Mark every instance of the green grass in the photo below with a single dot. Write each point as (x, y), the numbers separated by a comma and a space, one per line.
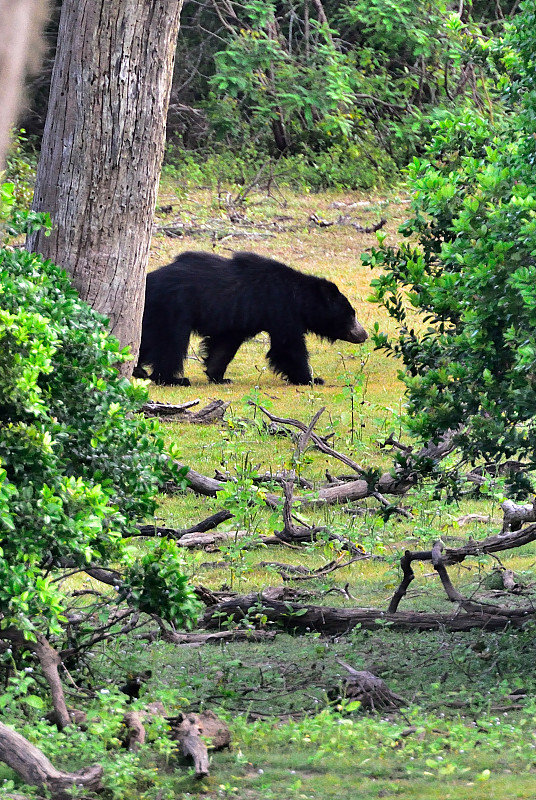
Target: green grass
(473, 739)
(469, 735)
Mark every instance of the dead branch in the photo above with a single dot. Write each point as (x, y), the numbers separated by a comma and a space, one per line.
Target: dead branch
(345, 493)
(211, 541)
(369, 228)
(371, 691)
(394, 509)
(492, 544)
(36, 770)
(212, 413)
(12, 796)
(50, 661)
(129, 617)
(217, 232)
(396, 445)
(515, 515)
(218, 637)
(209, 523)
(134, 730)
(469, 605)
(179, 413)
(467, 519)
(191, 730)
(329, 495)
(201, 484)
(200, 527)
(289, 572)
(404, 480)
(155, 409)
(290, 532)
(267, 477)
(318, 441)
(134, 734)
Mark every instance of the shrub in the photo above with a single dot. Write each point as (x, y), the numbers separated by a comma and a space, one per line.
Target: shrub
(78, 465)
(469, 274)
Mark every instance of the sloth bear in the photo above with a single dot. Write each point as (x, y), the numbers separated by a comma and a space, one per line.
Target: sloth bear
(227, 301)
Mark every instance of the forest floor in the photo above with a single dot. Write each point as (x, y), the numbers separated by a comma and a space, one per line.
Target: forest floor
(466, 727)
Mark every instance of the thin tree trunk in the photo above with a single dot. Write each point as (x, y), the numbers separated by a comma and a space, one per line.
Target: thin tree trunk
(50, 661)
(102, 149)
(20, 24)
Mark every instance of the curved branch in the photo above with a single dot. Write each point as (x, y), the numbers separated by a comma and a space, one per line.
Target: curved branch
(34, 768)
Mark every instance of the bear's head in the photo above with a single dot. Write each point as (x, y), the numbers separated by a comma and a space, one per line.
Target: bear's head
(335, 318)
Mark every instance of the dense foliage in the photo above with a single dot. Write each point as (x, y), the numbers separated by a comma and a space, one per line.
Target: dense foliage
(78, 466)
(336, 94)
(462, 289)
(343, 92)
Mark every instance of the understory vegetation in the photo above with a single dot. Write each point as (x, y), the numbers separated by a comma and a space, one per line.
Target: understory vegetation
(466, 723)
(317, 94)
(343, 573)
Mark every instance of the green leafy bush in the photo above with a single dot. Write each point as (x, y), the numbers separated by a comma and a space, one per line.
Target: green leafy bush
(463, 289)
(20, 168)
(78, 465)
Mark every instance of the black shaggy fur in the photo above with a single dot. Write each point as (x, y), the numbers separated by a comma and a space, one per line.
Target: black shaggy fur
(227, 301)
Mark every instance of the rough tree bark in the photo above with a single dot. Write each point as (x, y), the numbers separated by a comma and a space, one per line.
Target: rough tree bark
(102, 149)
(20, 24)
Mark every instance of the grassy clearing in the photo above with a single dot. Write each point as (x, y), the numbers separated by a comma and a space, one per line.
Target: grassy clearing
(468, 730)
(472, 734)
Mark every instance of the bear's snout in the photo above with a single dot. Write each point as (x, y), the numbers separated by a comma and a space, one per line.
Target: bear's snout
(357, 334)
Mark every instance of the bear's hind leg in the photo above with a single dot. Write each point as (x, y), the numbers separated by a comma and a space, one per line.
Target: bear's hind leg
(218, 355)
(168, 360)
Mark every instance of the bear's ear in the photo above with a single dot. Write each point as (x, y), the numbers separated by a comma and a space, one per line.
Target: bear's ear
(331, 296)
(332, 290)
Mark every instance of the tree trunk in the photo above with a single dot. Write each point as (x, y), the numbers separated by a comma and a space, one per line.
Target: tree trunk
(102, 150)
(20, 23)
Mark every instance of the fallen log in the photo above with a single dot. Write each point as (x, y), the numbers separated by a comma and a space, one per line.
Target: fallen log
(329, 495)
(210, 541)
(35, 769)
(179, 413)
(155, 409)
(330, 621)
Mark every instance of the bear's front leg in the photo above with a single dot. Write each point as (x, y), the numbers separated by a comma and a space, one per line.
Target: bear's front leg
(289, 357)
